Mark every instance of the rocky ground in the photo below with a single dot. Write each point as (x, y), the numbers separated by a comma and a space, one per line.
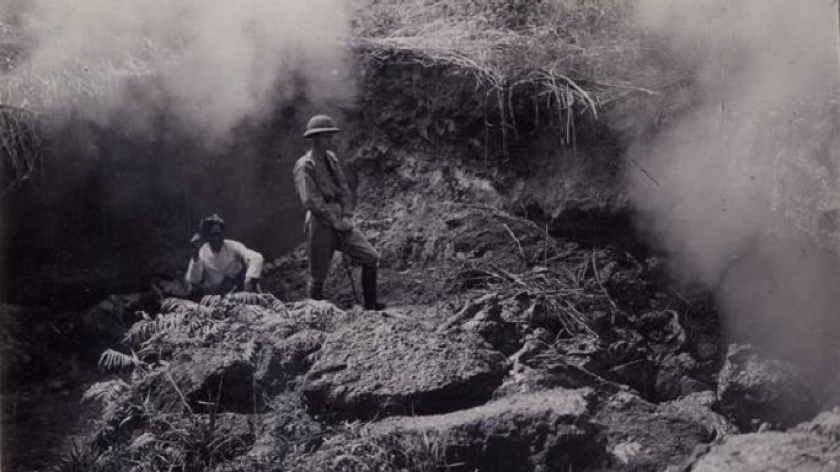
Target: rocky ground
(503, 349)
(529, 327)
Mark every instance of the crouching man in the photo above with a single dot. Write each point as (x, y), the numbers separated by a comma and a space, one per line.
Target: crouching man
(324, 193)
(219, 266)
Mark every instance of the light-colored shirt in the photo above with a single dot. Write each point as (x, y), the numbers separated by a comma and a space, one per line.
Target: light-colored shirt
(211, 268)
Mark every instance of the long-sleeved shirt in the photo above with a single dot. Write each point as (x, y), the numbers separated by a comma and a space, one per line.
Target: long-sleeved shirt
(322, 188)
(211, 268)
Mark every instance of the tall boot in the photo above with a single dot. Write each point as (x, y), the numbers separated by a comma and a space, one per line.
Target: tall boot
(369, 288)
(316, 290)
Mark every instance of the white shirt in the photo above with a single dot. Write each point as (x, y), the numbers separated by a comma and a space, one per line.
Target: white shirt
(211, 268)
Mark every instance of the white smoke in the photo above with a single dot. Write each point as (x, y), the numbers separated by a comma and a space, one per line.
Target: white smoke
(212, 63)
(745, 175)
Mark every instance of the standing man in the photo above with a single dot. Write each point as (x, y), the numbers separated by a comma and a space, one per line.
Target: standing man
(219, 266)
(324, 192)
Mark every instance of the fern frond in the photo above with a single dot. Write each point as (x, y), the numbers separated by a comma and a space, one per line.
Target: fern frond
(112, 359)
(249, 350)
(141, 441)
(279, 307)
(107, 391)
(141, 331)
(209, 301)
(173, 305)
(264, 300)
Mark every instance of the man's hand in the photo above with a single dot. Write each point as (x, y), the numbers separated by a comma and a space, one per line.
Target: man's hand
(197, 241)
(343, 225)
(253, 285)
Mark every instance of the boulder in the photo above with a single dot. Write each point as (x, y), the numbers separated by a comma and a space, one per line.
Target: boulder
(674, 374)
(585, 351)
(759, 452)
(492, 319)
(501, 334)
(624, 361)
(534, 343)
(203, 379)
(662, 330)
(641, 436)
(707, 350)
(753, 390)
(379, 365)
(282, 360)
(826, 424)
(699, 407)
(547, 430)
(523, 379)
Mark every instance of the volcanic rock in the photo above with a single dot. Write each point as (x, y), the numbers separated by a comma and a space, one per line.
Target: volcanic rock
(826, 424)
(672, 373)
(754, 390)
(379, 365)
(759, 452)
(641, 436)
(548, 430)
(284, 359)
(203, 379)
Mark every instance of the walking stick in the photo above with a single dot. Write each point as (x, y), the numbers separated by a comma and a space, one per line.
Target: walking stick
(347, 267)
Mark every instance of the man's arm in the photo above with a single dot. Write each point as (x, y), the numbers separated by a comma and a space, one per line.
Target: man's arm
(195, 272)
(310, 196)
(346, 199)
(252, 259)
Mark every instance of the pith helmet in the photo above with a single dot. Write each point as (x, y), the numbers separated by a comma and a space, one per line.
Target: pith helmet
(320, 124)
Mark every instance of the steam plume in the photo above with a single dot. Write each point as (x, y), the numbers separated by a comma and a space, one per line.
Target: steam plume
(749, 173)
(212, 63)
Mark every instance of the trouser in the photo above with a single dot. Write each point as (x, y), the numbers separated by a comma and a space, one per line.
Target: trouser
(323, 240)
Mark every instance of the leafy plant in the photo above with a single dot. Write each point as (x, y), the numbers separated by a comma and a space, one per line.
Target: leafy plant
(131, 430)
(106, 392)
(80, 458)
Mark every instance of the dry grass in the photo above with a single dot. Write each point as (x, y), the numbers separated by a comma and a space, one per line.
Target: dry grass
(571, 57)
(356, 448)
(559, 284)
(73, 83)
(580, 52)
(556, 43)
(21, 148)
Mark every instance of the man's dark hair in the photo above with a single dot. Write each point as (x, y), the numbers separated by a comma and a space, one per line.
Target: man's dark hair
(208, 223)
